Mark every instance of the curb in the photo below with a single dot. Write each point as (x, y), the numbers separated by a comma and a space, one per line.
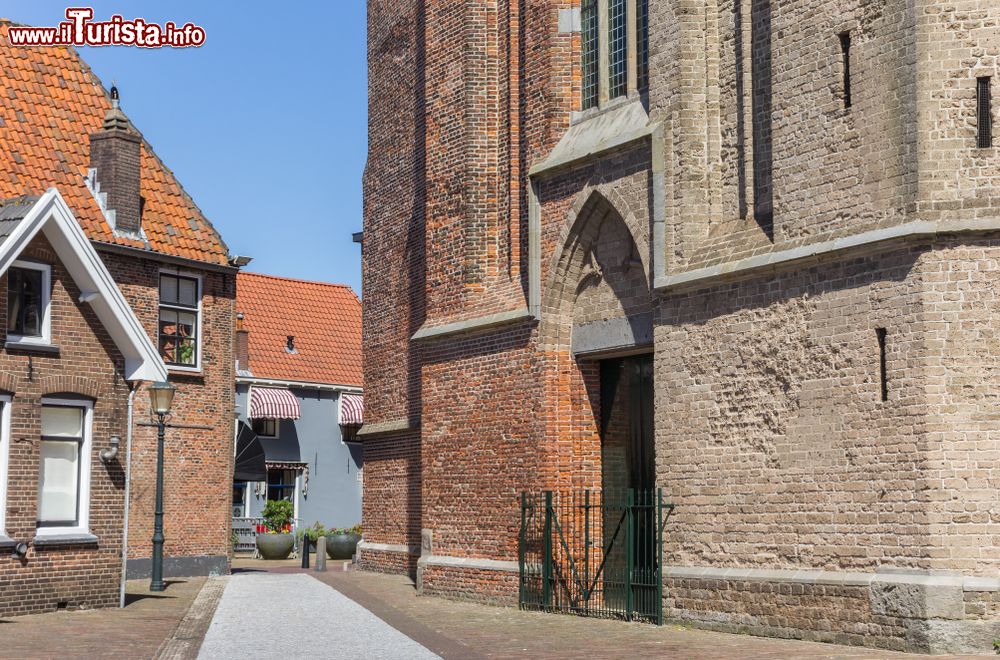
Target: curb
(189, 633)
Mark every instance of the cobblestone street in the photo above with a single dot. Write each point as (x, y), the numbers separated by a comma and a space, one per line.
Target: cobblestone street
(315, 620)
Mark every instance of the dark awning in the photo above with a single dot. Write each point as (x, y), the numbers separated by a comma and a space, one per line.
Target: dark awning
(251, 464)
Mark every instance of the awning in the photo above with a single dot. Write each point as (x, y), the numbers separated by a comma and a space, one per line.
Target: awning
(352, 408)
(272, 403)
(250, 464)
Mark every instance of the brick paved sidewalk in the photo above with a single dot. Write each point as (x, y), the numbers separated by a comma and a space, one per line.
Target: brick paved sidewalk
(137, 631)
(466, 630)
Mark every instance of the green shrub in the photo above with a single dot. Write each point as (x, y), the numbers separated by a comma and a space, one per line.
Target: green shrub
(278, 516)
(314, 531)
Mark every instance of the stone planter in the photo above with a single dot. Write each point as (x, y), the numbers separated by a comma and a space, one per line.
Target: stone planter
(275, 546)
(341, 546)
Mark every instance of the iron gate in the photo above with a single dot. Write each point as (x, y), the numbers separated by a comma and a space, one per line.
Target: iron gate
(593, 553)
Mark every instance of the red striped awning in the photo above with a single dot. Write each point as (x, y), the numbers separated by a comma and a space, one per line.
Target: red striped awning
(272, 403)
(352, 408)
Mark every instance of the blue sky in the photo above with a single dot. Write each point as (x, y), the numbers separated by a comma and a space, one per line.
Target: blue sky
(266, 131)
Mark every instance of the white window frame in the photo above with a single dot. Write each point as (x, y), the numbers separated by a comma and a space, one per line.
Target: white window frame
(83, 524)
(5, 411)
(277, 428)
(196, 367)
(46, 295)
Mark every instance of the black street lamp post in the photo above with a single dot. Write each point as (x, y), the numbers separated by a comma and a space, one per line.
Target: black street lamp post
(161, 395)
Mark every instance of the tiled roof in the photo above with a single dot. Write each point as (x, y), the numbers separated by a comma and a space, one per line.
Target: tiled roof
(51, 102)
(324, 319)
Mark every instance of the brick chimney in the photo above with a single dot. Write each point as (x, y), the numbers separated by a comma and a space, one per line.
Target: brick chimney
(114, 155)
(242, 344)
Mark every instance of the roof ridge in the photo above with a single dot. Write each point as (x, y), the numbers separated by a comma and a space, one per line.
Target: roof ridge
(296, 279)
(96, 80)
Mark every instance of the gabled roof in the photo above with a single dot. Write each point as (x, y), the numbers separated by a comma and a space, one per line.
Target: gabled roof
(324, 319)
(49, 214)
(51, 103)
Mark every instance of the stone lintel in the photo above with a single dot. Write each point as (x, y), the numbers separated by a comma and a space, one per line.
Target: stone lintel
(470, 325)
(617, 334)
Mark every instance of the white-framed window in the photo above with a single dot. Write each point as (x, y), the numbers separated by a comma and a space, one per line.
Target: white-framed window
(5, 406)
(29, 313)
(614, 49)
(179, 330)
(266, 428)
(64, 467)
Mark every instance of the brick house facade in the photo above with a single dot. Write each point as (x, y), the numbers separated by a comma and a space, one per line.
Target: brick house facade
(790, 216)
(60, 129)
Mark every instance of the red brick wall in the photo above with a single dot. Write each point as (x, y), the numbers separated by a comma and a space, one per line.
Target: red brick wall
(81, 575)
(390, 512)
(198, 456)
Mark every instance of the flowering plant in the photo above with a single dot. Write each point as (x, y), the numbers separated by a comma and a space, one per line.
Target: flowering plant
(350, 531)
(278, 516)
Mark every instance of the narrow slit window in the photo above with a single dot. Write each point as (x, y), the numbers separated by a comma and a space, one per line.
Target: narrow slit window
(642, 45)
(617, 48)
(589, 73)
(880, 334)
(845, 53)
(984, 114)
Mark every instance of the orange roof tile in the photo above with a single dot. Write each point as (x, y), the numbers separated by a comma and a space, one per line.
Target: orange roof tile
(52, 102)
(325, 320)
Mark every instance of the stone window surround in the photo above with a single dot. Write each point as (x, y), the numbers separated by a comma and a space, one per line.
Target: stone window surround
(604, 99)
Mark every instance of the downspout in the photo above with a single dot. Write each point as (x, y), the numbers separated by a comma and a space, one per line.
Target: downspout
(128, 485)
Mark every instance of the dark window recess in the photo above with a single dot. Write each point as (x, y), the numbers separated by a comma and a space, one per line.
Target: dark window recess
(267, 428)
(281, 485)
(845, 50)
(588, 19)
(642, 44)
(880, 334)
(984, 114)
(617, 48)
(760, 90)
(24, 302)
(179, 320)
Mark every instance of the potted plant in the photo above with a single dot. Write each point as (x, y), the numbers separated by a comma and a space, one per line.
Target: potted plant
(313, 532)
(276, 540)
(342, 543)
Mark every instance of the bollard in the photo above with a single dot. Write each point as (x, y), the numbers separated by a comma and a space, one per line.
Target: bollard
(321, 553)
(305, 551)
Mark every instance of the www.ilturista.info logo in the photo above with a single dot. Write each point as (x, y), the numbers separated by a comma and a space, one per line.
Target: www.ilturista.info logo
(80, 30)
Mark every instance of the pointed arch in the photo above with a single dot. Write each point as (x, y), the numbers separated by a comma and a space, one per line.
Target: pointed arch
(593, 208)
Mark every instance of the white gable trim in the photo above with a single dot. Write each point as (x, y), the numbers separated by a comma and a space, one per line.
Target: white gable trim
(52, 216)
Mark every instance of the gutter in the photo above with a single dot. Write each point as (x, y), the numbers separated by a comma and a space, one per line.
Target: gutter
(128, 485)
(165, 258)
(327, 387)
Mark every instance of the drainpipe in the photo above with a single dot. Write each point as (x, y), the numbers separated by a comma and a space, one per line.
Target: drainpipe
(128, 486)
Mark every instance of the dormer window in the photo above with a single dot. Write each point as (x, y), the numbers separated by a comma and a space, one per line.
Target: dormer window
(615, 49)
(28, 296)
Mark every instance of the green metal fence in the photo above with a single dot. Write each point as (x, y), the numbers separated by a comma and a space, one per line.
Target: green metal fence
(593, 553)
